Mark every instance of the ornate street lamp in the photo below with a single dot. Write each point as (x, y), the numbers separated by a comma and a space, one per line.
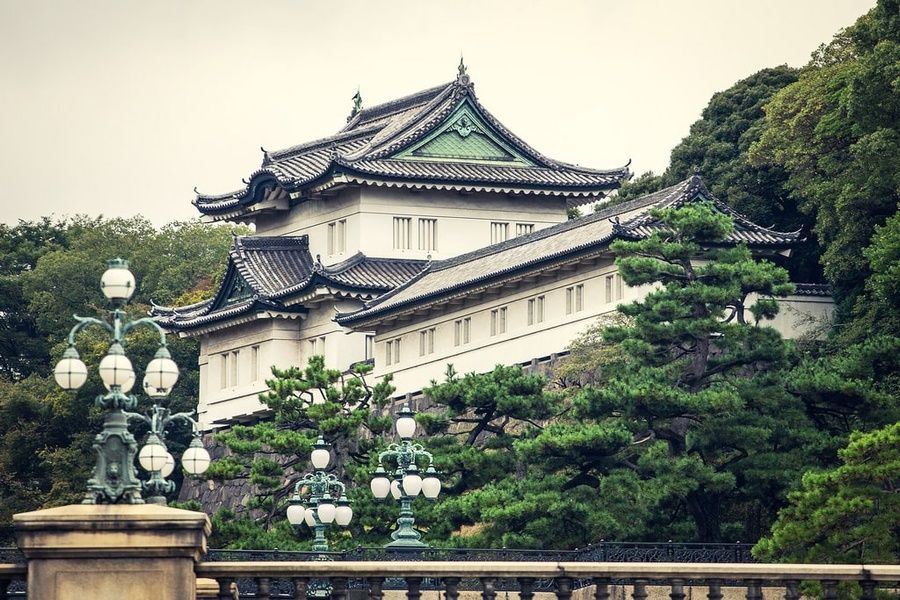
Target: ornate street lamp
(155, 457)
(327, 502)
(114, 480)
(403, 461)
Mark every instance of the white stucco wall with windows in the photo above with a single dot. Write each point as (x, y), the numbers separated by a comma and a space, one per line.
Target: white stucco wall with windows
(441, 224)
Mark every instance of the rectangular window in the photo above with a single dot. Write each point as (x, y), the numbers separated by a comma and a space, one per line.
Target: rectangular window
(313, 346)
(254, 363)
(402, 233)
(620, 287)
(524, 228)
(574, 299)
(462, 331)
(426, 342)
(388, 352)
(609, 288)
(223, 373)
(370, 347)
(397, 350)
(234, 367)
(428, 234)
(498, 321)
(499, 232)
(337, 237)
(536, 310)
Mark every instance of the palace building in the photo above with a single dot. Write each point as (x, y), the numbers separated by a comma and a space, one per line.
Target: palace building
(423, 233)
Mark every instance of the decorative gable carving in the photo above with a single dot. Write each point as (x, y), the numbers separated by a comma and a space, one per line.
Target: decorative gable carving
(240, 290)
(464, 136)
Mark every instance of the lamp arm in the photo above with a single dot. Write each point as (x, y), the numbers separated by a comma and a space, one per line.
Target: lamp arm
(149, 323)
(133, 416)
(84, 322)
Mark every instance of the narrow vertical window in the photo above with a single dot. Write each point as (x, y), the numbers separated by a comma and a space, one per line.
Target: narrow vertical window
(254, 363)
(397, 350)
(422, 350)
(467, 329)
(609, 288)
(579, 298)
(428, 234)
(426, 342)
(457, 333)
(502, 324)
(402, 233)
(331, 238)
(524, 228)
(370, 347)
(313, 346)
(388, 352)
(620, 288)
(223, 371)
(539, 310)
(342, 235)
(570, 293)
(499, 232)
(431, 341)
(322, 345)
(494, 316)
(234, 368)
(530, 310)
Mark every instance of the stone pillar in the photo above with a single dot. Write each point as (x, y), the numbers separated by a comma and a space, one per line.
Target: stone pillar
(112, 551)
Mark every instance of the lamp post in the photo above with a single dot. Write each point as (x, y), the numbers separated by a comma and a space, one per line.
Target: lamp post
(114, 480)
(328, 502)
(403, 461)
(155, 457)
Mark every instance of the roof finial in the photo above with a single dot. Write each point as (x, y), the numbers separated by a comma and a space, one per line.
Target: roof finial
(462, 77)
(357, 103)
(266, 157)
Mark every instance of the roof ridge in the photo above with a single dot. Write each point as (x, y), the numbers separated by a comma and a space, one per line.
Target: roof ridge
(393, 106)
(341, 136)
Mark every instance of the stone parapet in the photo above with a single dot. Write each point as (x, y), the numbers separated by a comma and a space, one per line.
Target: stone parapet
(110, 552)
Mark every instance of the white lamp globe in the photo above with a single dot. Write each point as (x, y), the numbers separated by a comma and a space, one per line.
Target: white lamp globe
(310, 517)
(412, 482)
(431, 485)
(406, 424)
(344, 514)
(296, 512)
(153, 455)
(169, 467)
(327, 510)
(115, 368)
(129, 383)
(395, 489)
(195, 459)
(161, 372)
(320, 456)
(70, 372)
(381, 485)
(117, 281)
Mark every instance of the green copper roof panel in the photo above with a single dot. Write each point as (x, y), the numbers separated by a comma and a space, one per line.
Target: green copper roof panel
(464, 137)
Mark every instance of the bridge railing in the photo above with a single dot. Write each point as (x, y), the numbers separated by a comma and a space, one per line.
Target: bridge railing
(289, 579)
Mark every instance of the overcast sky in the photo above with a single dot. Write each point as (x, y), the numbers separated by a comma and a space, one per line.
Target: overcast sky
(122, 107)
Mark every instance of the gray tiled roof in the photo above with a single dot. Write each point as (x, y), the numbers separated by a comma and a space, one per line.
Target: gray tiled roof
(279, 267)
(372, 136)
(558, 243)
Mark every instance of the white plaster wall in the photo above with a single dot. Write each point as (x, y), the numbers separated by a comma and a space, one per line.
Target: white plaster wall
(282, 343)
(464, 220)
(803, 315)
(520, 343)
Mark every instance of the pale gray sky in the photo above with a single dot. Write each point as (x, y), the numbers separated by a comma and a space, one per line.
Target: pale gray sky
(121, 107)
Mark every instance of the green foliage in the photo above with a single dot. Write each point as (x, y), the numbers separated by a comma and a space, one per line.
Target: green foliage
(847, 514)
(48, 272)
(835, 133)
(273, 454)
